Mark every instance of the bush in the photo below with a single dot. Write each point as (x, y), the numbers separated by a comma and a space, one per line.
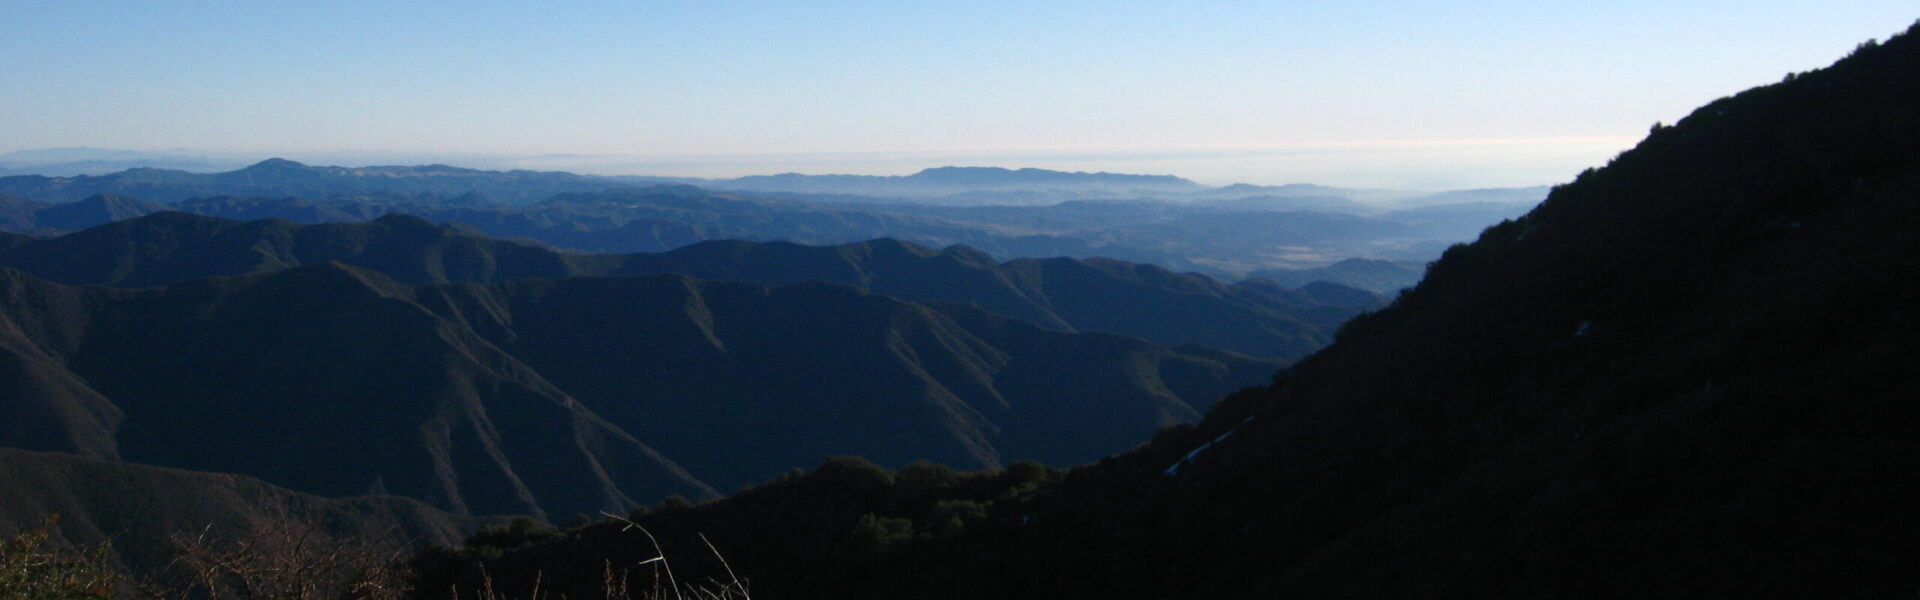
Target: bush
(29, 570)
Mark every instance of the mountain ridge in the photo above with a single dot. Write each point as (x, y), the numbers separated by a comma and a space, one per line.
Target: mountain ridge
(1062, 294)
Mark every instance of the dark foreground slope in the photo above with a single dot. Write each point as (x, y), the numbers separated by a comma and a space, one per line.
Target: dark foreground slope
(1685, 374)
(140, 508)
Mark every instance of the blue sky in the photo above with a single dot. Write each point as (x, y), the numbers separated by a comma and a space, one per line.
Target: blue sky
(1384, 94)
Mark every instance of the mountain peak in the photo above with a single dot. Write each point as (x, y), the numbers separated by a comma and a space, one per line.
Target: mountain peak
(275, 164)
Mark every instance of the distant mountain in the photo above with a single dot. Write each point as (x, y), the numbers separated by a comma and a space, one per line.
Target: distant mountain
(1458, 221)
(946, 181)
(1221, 242)
(1527, 196)
(1072, 295)
(1337, 204)
(94, 210)
(67, 162)
(1688, 373)
(16, 213)
(1303, 191)
(1224, 238)
(279, 177)
(174, 247)
(139, 508)
(1377, 276)
(26, 216)
(1059, 293)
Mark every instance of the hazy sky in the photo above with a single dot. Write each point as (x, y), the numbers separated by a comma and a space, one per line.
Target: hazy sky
(1388, 94)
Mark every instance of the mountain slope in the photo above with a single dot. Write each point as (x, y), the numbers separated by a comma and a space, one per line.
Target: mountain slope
(448, 393)
(21, 215)
(258, 375)
(139, 508)
(1058, 293)
(174, 247)
(1684, 374)
(1377, 276)
(785, 376)
(1061, 294)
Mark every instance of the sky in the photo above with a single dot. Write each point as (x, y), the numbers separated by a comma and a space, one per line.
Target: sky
(1415, 95)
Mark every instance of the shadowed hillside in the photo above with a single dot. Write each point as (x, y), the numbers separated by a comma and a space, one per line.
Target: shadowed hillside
(259, 375)
(140, 508)
(449, 393)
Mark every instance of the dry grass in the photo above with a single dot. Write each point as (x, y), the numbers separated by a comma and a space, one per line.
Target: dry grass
(31, 570)
(617, 583)
(280, 560)
(286, 560)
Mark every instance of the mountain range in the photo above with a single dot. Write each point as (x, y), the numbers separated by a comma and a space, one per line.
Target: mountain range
(446, 393)
(1061, 294)
(1226, 232)
(1687, 373)
(1222, 243)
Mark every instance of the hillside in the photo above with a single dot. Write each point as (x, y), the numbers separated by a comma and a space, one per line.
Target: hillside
(1377, 276)
(1684, 374)
(257, 375)
(783, 377)
(174, 247)
(139, 508)
(1063, 294)
(26, 216)
(584, 377)
(1221, 239)
(1059, 293)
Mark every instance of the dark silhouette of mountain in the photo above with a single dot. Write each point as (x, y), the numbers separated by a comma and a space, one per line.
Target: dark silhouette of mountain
(139, 508)
(261, 375)
(1073, 295)
(1377, 276)
(1686, 373)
